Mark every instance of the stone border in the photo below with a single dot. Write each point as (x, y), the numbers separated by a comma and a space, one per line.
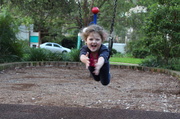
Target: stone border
(81, 65)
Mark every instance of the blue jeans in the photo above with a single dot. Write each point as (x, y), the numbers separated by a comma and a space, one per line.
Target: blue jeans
(104, 75)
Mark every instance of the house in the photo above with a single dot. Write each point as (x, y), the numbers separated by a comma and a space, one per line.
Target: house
(26, 33)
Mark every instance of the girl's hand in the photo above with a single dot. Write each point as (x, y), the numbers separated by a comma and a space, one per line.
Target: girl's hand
(85, 59)
(97, 69)
(98, 65)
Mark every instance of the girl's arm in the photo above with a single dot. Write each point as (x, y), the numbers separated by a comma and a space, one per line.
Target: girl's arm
(84, 56)
(103, 58)
(98, 65)
(104, 52)
(85, 59)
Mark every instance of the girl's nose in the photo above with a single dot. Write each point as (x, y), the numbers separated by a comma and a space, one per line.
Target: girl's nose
(94, 41)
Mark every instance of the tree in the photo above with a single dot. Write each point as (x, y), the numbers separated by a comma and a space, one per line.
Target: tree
(48, 15)
(161, 34)
(56, 17)
(162, 29)
(10, 49)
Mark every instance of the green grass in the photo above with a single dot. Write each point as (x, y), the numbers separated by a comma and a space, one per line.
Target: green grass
(126, 60)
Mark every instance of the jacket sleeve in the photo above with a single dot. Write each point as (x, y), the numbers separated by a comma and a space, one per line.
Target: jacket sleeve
(104, 52)
(84, 50)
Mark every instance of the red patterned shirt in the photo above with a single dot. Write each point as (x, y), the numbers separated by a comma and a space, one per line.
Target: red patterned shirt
(93, 60)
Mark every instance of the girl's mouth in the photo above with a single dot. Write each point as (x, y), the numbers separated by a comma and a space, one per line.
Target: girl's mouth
(93, 46)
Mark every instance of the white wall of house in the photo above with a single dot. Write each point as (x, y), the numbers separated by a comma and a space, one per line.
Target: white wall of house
(24, 31)
(119, 47)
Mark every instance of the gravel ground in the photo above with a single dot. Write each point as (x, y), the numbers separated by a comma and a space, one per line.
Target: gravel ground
(73, 87)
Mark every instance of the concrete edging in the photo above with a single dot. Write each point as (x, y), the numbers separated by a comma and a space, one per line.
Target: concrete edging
(74, 64)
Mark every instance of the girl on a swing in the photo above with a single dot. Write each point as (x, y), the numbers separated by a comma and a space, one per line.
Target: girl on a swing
(94, 54)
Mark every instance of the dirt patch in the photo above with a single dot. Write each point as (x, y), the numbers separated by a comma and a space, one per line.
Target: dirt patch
(20, 86)
(71, 86)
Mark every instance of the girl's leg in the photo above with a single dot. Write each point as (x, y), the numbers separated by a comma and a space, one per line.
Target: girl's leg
(96, 77)
(104, 74)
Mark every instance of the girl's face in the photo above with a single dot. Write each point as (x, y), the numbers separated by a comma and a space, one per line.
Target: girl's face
(94, 42)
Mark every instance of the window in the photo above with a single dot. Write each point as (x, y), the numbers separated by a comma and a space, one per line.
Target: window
(48, 44)
(34, 46)
(55, 45)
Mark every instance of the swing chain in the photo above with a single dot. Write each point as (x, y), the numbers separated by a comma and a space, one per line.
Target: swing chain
(111, 30)
(110, 45)
(80, 15)
(114, 15)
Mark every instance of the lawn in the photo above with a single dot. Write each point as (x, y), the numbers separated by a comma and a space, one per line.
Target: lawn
(126, 60)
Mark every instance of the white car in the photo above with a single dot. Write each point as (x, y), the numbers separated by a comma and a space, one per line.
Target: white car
(54, 47)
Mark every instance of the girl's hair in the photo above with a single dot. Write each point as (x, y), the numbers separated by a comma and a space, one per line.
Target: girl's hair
(94, 28)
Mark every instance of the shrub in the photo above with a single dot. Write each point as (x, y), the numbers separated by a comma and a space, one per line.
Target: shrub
(173, 64)
(138, 48)
(69, 42)
(9, 58)
(54, 56)
(72, 56)
(36, 54)
(151, 61)
(113, 51)
(140, 53)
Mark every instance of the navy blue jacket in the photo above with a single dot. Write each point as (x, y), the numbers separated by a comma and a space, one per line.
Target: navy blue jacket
(103, 52)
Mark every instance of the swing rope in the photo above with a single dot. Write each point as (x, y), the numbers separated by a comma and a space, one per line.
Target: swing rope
(112, 28)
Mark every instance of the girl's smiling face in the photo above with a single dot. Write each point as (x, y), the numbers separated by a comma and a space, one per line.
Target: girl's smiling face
(94, 42)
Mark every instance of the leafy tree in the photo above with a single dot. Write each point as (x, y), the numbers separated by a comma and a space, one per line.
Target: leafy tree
(49, 16)
(162, 29)
(55, 18)
(162, 37)
(9, 47)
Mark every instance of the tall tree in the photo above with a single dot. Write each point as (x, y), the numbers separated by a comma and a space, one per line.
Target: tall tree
(48, 15)
(161, 34)
(56, 17)
(162, 29)
(10, 49)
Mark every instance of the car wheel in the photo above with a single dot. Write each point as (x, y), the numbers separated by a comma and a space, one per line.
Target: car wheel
(64, 52)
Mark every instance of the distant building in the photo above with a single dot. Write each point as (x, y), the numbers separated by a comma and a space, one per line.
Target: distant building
(119, 47)
(26, 33)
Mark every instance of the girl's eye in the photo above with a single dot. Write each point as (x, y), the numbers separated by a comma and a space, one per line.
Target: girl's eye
(97, 39)
(90, 39)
